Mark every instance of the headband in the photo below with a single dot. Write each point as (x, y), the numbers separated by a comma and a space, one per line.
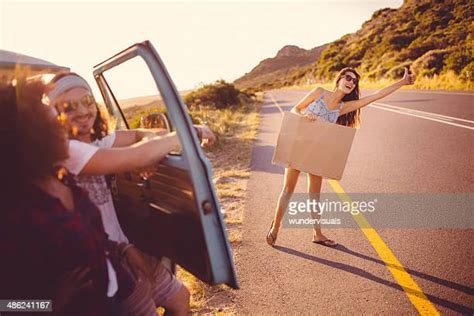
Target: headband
(66, 83)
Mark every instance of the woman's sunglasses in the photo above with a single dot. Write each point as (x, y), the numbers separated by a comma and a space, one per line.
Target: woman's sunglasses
(87, 102)
(350, 78)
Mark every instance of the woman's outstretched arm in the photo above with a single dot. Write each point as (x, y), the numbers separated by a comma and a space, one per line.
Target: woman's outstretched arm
(350, 106)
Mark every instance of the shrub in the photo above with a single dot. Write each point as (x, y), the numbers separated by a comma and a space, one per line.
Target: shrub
(220, 95)
(459, 59)
(420, 46)
(467, 74)
(397, 71)
(401, 40)
(433, 61)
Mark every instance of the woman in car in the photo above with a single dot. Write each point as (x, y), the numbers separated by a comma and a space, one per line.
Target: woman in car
(94, 151)
(52, 241)
(341, 106)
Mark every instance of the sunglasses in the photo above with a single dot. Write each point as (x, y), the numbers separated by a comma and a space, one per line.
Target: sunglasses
(350, 78)
(87, 101)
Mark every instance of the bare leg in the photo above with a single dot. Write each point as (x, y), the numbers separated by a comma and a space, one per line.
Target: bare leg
(289, 184)
(179, 304)
(314, 192)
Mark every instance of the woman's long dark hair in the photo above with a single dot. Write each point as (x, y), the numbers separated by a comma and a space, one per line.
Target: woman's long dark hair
(351, 119)
(100, 129)
(33, 141)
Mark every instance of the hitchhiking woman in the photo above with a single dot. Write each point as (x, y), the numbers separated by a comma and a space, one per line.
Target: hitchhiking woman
(341, 106)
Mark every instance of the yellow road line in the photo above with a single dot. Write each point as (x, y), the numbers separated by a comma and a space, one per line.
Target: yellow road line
(411, 288)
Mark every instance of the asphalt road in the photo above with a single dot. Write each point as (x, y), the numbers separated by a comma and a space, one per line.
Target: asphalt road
(410, 142)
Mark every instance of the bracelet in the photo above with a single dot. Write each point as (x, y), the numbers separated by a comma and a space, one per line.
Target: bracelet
(125, 248)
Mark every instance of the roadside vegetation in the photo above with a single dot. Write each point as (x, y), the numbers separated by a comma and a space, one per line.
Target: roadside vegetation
(234, 117)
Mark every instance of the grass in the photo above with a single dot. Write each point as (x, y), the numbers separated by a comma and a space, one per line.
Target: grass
(446, 81)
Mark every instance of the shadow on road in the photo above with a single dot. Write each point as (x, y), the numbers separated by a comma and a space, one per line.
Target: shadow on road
(450, 284)
(364, 274)
(270, 108)
(262, 160)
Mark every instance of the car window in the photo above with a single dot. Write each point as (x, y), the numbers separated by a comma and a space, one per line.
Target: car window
(141, 104)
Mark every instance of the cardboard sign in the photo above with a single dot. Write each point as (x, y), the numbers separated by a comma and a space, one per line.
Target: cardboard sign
(317, 147)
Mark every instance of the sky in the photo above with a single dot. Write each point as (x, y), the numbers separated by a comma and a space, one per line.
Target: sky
(199, 41)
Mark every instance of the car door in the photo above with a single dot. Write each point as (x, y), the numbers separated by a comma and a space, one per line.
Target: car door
(174, 211)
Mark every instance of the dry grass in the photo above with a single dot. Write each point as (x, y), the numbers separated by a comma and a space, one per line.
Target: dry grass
(236, 130)
(445, 81)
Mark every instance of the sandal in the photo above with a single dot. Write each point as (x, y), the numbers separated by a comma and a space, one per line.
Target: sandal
(327, 242)
(271, 240)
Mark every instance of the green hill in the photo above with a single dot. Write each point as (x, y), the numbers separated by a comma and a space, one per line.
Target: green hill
(434, 37)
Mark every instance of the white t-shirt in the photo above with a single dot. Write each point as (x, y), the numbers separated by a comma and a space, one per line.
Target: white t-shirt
(79, 155)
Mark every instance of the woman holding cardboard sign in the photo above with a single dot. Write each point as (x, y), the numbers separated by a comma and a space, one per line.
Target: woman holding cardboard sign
(341, 106)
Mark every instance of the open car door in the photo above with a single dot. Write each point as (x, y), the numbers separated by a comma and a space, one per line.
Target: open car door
(173, 213)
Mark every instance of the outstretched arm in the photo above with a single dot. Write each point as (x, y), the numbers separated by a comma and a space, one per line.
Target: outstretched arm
(139, 155)
(128, 137)
(350, 106)
(124, 138)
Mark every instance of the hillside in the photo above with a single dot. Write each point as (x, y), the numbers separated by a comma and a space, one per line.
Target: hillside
(287, 59)
(433, 37)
